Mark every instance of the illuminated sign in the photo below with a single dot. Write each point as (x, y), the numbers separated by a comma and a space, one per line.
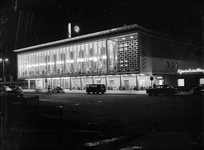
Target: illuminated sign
(190, 71)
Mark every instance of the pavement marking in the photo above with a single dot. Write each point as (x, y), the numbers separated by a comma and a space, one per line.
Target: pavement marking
(131, 148)
(44, 99)
(106, 141)
(76, 104)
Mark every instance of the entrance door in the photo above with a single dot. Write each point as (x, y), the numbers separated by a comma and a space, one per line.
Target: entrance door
(126, 84)
(98, 81)
(56, 82)
(76, 84)
(39, 84)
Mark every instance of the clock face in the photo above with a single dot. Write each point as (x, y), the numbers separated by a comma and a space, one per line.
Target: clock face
(76, 29)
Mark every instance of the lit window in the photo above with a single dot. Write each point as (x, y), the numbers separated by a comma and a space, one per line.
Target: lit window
(142, 83)
(201, 80)
(98, 81)
(180, 82)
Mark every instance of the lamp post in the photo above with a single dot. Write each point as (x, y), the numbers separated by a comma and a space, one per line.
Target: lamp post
(3, 60)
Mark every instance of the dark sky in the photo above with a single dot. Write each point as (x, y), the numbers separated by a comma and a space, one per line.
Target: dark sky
(31, 22)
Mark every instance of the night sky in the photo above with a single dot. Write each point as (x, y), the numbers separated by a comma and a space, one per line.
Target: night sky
(30, 22)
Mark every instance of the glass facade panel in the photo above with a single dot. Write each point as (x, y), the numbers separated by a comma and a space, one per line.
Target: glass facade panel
(104, 57)
(91, 58)
(75, 59)
(78, 57)
(63, 61)
(112, 50)
(87, 58)
(82, 54)
(94, 57)
(68, 60)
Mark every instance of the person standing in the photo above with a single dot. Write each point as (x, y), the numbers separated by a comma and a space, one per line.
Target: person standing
(49, 89)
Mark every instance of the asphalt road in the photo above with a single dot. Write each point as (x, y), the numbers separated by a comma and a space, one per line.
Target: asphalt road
(115, 121)
(132, 114)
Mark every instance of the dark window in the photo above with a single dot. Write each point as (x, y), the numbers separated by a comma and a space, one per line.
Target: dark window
(167, 64)
(172, 64)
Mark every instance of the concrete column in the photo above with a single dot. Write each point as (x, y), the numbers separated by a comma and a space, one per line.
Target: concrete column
(35, 83)
(121, 82)
(81, 82)
(29, 84)
(137, 80)
(93, 79)
(51, 83)
(70, 83)
(43, 83)
(106, 82)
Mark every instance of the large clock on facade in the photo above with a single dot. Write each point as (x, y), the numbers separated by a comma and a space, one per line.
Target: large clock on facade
(76, 29)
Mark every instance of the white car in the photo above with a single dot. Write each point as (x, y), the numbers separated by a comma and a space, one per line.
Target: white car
(5, 89)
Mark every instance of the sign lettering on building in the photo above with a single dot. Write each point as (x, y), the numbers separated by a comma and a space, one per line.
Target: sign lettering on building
(190, 71)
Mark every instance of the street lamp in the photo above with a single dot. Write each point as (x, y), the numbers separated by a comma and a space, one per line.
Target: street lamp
(2, 102)
(3, 60)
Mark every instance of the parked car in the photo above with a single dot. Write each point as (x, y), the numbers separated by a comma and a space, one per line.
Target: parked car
(96, 88)
(198, 90)
(162, 89)
(18, 88)
(5, 89)
(58, 89)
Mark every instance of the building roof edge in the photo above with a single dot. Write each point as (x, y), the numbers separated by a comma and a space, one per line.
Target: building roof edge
(97, 34)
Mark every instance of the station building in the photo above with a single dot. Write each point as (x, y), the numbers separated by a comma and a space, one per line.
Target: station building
(120, 58)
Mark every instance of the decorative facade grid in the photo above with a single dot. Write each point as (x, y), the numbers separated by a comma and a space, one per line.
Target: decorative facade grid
(128, 55)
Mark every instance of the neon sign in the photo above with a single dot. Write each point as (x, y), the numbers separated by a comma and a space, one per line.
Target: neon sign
(189, 71)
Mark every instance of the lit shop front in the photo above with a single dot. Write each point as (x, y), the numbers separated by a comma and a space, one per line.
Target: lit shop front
(190, 77)
(113, 61)
(184, 79)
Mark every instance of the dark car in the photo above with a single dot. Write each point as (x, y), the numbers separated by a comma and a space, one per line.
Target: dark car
(58, 89)
(96, 88)
(198, 90)
(162, 89)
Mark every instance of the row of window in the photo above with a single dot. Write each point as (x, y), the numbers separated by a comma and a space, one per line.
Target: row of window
(172, 64)
(85, 58)
(181, 82)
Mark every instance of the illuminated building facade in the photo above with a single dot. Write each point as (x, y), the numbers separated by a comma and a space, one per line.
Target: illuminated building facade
(120, 58)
